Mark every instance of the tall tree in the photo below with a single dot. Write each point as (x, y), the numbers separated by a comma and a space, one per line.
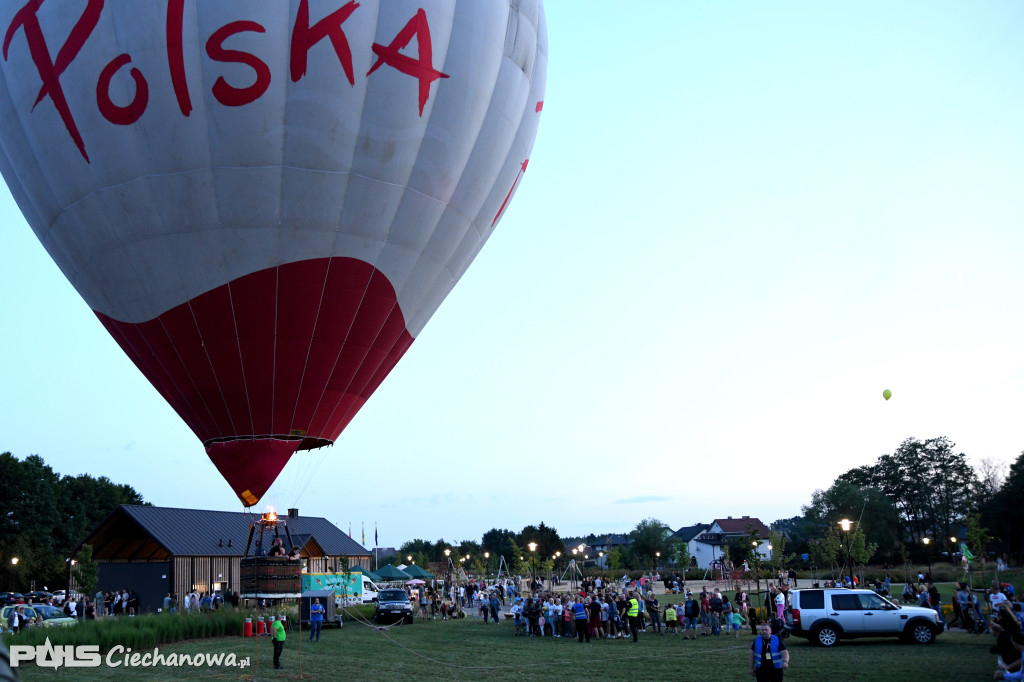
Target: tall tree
(47, 516)
(649, 538)
(1004, 513)
(931, 485)
(870, 506)
(546, 538)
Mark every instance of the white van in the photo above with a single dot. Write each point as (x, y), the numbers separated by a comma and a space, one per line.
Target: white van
(369, 590)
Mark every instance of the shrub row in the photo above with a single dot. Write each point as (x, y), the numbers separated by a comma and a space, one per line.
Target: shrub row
(142, 632)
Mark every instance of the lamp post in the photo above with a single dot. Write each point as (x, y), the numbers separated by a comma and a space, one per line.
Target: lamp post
(487, 564)
(952, 550)
(448, 570)
(14, 577)
(928, 555)
(533, 566)
(846, 524)
(757, 571)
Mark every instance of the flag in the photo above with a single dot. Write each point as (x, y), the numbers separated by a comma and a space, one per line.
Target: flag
(376, 542)
(364, 534)
(350, 529)
(967, 552)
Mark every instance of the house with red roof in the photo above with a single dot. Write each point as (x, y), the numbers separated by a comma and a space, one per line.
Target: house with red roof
(707, 546)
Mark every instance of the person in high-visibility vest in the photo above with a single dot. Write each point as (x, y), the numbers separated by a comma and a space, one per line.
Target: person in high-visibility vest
(277, 629)
(632, 613)
(769, 657)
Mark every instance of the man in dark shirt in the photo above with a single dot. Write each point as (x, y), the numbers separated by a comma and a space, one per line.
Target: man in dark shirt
(769, 657)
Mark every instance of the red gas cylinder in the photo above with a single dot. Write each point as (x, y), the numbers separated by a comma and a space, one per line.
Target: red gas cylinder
(247, 628)
(261, 627)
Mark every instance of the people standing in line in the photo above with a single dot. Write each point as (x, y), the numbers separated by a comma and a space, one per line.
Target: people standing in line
(653, 609)
(769, 657)
(671, 618)
(691, 611)
(632, 613)
(316, 618)
(494, 606)
(277, 628)
(579, 610)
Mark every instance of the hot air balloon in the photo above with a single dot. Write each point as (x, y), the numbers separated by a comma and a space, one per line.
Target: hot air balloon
(886, 394)
(264, 202)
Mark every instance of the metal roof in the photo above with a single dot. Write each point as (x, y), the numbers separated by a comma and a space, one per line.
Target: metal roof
(199, 532)
(687, 533)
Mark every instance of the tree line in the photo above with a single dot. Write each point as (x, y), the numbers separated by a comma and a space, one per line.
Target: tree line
(45, 516)
(923, 490)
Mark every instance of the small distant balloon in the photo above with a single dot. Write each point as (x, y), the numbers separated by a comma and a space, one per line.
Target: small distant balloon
(886, 394)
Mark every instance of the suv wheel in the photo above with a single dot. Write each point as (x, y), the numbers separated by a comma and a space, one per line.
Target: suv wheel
(826, 636)
(921, 633)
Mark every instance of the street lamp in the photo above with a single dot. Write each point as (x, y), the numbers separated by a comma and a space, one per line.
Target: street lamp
(928, 555)
(657, 560)
(756, 560)
(533, 566)
(846, 524)
(952, 550)
(14, 565)
(448, 569)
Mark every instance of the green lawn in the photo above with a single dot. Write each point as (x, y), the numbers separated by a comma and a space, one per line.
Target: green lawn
(471, 650)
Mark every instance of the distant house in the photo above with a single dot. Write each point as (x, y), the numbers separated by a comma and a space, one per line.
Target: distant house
(156, 550)
(596, 548)
(706, 546)
(688, 534)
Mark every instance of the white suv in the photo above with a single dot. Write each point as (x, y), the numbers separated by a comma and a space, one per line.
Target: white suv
(826, 615)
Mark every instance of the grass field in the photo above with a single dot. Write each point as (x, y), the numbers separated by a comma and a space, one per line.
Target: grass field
(469, 649)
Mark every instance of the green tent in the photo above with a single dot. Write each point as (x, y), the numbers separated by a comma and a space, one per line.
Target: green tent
(367, 572)
(417, 572)
(391, 573)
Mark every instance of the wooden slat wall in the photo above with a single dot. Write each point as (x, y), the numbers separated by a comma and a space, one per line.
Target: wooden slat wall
(201, 572)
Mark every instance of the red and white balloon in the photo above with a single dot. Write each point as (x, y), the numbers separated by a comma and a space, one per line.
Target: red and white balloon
(265, 201)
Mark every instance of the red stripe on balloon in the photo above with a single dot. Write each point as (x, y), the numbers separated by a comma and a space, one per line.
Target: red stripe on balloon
(277, 360)
(522, 169)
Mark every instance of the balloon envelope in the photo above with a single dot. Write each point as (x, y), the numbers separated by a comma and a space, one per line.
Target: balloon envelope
(886, 394)
(264, 202)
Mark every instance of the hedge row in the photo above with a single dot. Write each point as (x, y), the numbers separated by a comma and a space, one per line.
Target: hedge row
(141, 632)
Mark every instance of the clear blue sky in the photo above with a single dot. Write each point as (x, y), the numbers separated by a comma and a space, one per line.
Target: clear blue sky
(740, 224)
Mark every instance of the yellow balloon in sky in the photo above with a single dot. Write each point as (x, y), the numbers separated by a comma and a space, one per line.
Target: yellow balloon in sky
(886, 394)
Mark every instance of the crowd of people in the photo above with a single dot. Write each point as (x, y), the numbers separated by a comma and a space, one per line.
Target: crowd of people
(112, 603)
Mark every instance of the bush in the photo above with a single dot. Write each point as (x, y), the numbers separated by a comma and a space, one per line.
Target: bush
(142, 632)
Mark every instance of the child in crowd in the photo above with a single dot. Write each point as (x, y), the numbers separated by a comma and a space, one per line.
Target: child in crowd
(671, 618)
(737, 621)
(716, 624)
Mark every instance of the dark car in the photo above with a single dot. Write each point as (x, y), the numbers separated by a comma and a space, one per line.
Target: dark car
(11, 598)
(392, 606)
(38, 597)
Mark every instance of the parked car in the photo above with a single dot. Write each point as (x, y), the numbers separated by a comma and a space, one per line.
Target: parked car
(58, 597)
(52, 616)
(825, 616)
(393, 605)
(38, 597)
(11, 598)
